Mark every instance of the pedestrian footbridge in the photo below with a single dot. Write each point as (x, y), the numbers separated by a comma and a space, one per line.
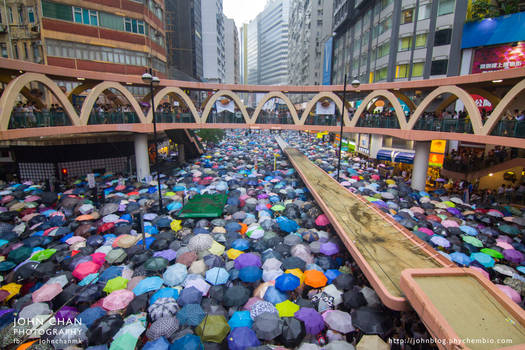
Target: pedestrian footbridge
(456, 304)
(414, 108)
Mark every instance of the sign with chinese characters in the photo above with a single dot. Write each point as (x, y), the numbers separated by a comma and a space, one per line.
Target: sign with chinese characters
(489, 59)
(482, 103)
(438, 146)
(436, 160)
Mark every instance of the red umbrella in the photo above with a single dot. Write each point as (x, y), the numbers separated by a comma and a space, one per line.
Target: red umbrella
(322, 220)
(85, 268)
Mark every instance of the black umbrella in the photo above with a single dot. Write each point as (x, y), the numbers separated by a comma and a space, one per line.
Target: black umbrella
(217, 293)
(353, 299)
(66, 294)
(371, 321)
(236, 296)
(138, 304)
(26, 271)
(103, 329)
(268, 326)
(140, 258)
(293, 332)
(89, 294)
(344, 281)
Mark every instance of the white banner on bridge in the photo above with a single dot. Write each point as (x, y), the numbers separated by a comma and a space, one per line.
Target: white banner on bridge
(329, 109)
(230, 106)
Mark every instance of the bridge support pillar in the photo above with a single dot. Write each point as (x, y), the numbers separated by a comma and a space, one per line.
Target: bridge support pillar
(141, 156)
(419, 172)
(180, 149)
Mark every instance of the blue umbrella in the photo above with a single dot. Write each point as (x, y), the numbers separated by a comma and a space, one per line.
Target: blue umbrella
(460, 258)
(147, 285)
(241, 244)
(217, 276)
(331, 274)
(164, 293)
(274, 296)
(287, 225)
(242, 338)
(469, 230)
(6, 317)
(521, 269)
(188, 342)
(175, 274)
(189, 295)
(109, 273)
(250, 274)
(482, 258)
(240, 319)
(440, 241)
(157, 344)
(287, 282)
(88, 279)
(90, 315)
(191, 315)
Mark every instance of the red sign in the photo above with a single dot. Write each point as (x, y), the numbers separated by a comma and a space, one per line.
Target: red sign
(482, 103)
(489, 59)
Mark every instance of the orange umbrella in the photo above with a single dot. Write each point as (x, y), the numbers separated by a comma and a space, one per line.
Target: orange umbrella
(315, 279)
(244, 228)
(26, 345)
(86, 217)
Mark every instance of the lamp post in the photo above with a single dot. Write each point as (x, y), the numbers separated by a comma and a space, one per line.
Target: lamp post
(152, 81)
(355, 85)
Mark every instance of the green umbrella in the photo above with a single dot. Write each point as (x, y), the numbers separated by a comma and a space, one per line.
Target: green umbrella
(124, 342)
(473, 240)
(492, 252)
(43, 255)
(116, 256)
(156, 264)
(377, 195)
(19, 254)
(450, 204)
(513, 210)
(278, 207)
(116, 283)
(213, 328)
(371, 199)
(511, 230)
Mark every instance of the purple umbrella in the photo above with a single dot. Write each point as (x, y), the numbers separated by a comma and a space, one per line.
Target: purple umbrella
(247, 259)
(313, 321)
(455, 212)
(241, 338)
(513, 255)
(329, 248)
(168, 254)
(67, 313)
(380, 204)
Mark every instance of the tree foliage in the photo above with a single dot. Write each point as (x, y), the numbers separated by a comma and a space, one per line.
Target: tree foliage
(210, 135)
(482, 9)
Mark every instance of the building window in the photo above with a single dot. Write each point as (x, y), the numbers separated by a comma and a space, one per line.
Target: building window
(85, 16)
(405, 44)
(30, 15)
(407, 16)
(421, 40)
(133, 25)
(445, 7)
(21, 15)
(402, 71)
(26, 53)
(36, 52)
(3, 50)
(380, 74)
(15, 49)
(417, 69)
(443, 37)
(383, 50)
(386, 3)
(439, 67)
(424, 11)
(385, 25)
(10, 13)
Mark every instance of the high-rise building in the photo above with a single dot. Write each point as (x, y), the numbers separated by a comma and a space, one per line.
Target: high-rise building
(243, 58)
(252, 53)
(118, 37)
(310, 25)
(231, 43)
(20, 34)
(213, 55)
(272, 37)
(393, 40)
(184, 39)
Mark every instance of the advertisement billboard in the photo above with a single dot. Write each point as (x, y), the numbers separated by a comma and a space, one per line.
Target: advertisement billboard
(327, 62)
(489, 59)
(438, 146)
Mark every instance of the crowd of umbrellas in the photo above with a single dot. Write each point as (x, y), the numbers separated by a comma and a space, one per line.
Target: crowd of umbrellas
(488, 238)
(270, 273)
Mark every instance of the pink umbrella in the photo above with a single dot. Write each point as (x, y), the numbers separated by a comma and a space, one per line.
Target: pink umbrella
(7, 199)
(449, 223)
(47, 292)
(118, 300)
(417, 210)
(375, 177)
(479, 269)
(511, 293)
(32, 199)
(322, 220)
(426, 230)
(504, 245)
(75, 239)
(503, 238)
(120, 188)
(28, 217)
(98, 258)
(85, 268)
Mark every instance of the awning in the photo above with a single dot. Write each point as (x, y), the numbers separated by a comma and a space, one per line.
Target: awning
(395, 156)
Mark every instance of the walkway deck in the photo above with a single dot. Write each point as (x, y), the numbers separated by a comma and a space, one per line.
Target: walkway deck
(380, 247)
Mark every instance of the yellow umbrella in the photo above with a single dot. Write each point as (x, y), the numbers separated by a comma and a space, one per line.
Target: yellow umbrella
(233, 253)
(287, 308)
(216, 248)
(297, 273)
(170, 194)
(176, 225)
(12, 288)
(390, 182)
(372, 342)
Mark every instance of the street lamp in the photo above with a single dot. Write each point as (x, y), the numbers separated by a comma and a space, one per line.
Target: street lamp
(152, 81)
(355, 84)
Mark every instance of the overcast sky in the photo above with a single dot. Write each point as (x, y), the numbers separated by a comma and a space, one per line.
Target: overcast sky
(242, 11)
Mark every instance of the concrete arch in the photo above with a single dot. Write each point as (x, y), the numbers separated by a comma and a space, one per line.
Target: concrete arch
(405, 99)
(400, 114)
(15, 86)
(470, 105)
(99, 89)
(229, 94)
(283, 97)
(319, 96)
(178, 92)
(497, 113)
